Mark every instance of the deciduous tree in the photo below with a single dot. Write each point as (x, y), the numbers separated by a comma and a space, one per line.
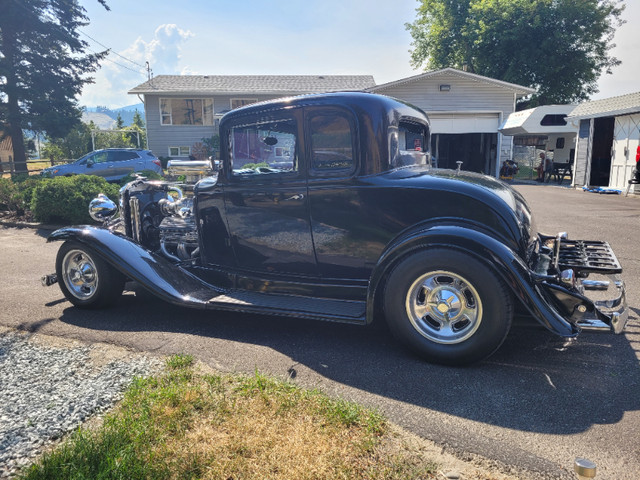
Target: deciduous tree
(559, 47)
(43, 67)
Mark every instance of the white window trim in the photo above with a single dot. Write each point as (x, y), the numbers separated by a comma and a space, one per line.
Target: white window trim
(179, 147)
(213, 114)
(251, 100)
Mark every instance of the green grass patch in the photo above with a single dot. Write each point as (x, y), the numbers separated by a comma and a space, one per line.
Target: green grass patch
(187, 424)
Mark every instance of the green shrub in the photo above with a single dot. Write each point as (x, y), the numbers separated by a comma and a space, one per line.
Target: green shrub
(255, 165)
(8, 195)
(16, 193)
(149, 174)
(65, 200)
(26, 187)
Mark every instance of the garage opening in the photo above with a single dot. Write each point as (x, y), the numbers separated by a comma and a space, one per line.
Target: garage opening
(477, 151)
(603, 130)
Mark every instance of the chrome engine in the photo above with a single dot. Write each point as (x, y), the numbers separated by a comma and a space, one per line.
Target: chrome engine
(178, 234)
(154, 214)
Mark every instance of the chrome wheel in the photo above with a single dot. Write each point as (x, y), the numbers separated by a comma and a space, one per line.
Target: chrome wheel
(444, 307)
(80, 274)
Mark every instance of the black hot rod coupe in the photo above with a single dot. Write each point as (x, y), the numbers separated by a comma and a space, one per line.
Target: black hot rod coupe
(326, 207)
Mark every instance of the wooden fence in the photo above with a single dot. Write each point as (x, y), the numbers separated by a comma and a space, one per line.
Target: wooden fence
(33, 166)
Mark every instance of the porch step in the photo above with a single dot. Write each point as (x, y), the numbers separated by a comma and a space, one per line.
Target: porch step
(290, 305)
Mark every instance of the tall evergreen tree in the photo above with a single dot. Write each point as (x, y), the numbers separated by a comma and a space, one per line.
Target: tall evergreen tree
(559, 47)
(43, 67)
(119, 122)
(137, 120)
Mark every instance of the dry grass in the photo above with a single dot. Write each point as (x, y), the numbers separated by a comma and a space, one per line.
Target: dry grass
(186, 424)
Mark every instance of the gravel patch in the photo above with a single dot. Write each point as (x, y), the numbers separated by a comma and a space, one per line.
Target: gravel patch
(49, 386)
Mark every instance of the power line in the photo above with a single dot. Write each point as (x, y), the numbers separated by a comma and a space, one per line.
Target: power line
(111, 50)
(119, 64)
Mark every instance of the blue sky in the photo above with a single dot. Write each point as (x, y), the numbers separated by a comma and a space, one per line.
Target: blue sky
(279, 37)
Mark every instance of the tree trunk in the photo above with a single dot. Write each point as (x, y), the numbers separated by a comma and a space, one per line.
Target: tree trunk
(13, 108)
(19, 153)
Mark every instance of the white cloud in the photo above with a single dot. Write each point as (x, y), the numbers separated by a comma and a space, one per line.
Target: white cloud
(117, 75)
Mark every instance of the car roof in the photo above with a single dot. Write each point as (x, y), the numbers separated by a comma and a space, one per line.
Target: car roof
(353, 100)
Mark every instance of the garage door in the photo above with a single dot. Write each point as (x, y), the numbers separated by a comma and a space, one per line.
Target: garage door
(464, 122)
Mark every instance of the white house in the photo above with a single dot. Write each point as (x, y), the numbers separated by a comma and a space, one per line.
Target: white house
(465, 109)
(608, 141)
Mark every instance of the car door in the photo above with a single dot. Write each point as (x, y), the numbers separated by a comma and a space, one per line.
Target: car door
(97, 164)
(342, 227)
(123, 163)
(265, 195)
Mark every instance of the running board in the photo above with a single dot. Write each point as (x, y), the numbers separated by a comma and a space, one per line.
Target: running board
(347, 311)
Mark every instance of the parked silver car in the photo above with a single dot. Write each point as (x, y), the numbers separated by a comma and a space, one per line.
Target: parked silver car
(111, 163)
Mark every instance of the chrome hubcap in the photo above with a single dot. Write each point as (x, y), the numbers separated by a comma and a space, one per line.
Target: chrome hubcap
(444, 307)
(79, 274)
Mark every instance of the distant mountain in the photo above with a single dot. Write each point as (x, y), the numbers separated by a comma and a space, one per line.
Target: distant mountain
(126, 113)
(102, 120)
(132, 108)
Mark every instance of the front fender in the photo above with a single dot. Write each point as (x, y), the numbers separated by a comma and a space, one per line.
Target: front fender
(493, 253)
(167, 281)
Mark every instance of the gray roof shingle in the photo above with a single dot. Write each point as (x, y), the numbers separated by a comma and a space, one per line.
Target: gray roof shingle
(608, 107)
(253, 84)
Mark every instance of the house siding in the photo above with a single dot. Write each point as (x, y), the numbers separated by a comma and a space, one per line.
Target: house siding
(465, 95)
(161, 137)
(222, 103)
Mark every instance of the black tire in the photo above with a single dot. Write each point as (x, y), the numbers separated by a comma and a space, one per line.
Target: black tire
(447, 306)
(86, 280)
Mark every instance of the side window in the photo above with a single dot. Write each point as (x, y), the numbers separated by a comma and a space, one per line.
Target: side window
(99, 157)
(263, 148)
(331, 143)
(560, 143)
(408, 145)
(121, 156)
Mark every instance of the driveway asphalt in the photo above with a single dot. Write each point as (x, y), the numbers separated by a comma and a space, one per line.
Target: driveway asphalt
(534, 406)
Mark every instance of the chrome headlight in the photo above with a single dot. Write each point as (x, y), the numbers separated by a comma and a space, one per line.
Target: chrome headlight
(102, 208)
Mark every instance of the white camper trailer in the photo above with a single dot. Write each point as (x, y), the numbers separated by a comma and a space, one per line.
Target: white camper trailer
(549, 125)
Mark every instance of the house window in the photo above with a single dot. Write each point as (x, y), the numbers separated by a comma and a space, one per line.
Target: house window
(179, 151)
(186, 111)
(241, 102)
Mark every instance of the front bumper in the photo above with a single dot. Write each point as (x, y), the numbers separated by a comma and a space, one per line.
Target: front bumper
(565, 271)
(614, 310)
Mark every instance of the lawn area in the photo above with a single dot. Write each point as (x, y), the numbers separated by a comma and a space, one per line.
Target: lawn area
(187, 423)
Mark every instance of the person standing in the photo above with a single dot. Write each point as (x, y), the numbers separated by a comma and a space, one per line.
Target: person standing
(548, 168)
(541, 168)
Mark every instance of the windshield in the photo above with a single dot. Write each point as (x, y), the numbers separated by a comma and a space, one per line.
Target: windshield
(408, 145)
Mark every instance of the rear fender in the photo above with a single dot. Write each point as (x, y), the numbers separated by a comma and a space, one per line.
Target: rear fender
(493, 253)
(162, 278)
